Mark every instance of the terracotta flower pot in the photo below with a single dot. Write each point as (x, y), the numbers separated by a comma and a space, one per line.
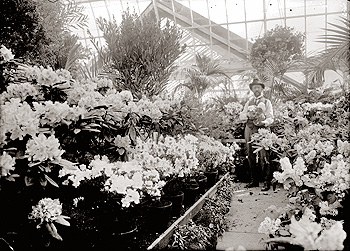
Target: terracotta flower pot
(191, 193)
(212, 177)
(202, 182)
(177, 202)
(157, 215)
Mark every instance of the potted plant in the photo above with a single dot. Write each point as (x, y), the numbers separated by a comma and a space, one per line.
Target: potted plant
(173, 191)
(191, 191)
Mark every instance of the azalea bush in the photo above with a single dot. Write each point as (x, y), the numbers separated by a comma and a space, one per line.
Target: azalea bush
(202, 232)
(61, 134)
(212, 154)
(312, 150)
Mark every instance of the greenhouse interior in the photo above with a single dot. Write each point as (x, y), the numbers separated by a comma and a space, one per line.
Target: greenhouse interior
(174, 125)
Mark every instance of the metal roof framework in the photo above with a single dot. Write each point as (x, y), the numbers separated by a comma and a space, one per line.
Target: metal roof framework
(217, 39)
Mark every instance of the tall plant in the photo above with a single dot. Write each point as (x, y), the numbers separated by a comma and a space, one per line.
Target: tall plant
(39, 31)
(205, 73)
(275, 52)
(21, 29)
(140, 51)
(335, 57)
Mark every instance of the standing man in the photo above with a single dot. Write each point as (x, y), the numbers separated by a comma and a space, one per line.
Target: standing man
(254, 121)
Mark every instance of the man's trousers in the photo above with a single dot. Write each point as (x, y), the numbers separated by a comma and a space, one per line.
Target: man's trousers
(259, 163)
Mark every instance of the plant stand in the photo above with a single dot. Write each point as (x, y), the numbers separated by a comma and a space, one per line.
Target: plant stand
(163, 240)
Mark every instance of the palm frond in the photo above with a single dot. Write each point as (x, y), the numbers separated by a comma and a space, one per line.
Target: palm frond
(335, 57)
(73, 56)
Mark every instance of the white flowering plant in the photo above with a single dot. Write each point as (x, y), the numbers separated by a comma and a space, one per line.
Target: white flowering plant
(306, 232)
(47, 212)
(52, 127)
(256, 113)
(212, 154)
(314, 168)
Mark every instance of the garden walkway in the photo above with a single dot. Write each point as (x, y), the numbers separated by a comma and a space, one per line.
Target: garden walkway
(248, 210)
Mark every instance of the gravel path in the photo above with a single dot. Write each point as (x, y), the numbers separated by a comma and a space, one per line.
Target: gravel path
(248, 210)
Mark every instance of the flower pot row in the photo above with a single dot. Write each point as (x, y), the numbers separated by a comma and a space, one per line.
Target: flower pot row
(163, 239)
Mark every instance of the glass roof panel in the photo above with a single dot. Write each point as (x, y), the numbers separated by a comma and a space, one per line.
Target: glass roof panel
(314, 26)
(235, 10)
(295, 8)
(274, 8)
(233, 25)
(217, 11)
(254, 9)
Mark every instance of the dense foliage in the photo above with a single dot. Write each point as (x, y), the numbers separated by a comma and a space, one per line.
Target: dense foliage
(140, 52)
(69, 146)
(21, 28)
(281, 46)
(311, 143)
(38, 31)
(202, 232)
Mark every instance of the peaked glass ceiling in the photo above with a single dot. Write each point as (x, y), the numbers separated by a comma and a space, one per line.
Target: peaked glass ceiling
(225, 29)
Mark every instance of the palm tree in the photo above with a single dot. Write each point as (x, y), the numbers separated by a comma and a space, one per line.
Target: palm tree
(335, 57)
(206, 73)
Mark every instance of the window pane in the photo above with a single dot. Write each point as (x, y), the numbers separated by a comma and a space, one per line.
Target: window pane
(217, 11)
(255, 30)
(336, 6)
(238, 34)
(254, 9)
(294, 7)
(235, 10)
(315, 7)
(274, 8)
(314, 30)
(297, 23)
(201, 8)
(273, 23)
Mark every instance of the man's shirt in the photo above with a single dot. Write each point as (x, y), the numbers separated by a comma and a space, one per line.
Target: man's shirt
(256, 100)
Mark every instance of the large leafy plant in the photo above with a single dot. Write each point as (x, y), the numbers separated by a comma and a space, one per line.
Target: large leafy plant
(281, 45)
(140, 52)
(203, 75)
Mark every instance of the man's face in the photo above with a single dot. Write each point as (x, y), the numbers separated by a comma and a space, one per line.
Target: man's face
(257, 90)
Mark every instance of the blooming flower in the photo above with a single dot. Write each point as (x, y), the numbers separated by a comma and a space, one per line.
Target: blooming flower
(20, 91)
(41, 148)
(331, 239)
(269, 226)
(47, 210)
(17, 119)
(295, 172)
(6, 54)
(7, 164)
(305, 232)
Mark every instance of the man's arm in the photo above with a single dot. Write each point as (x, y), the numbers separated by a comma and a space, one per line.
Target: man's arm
(268, 113)
(243, 115)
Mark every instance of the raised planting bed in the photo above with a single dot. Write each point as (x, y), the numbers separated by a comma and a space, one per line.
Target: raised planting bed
(163, 240)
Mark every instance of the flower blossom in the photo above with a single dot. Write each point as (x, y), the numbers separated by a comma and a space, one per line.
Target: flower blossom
(289, 171)
(41, 148)
(17, 119)
(47, 210)
(6, 54)
(7, 164)
(269, 226)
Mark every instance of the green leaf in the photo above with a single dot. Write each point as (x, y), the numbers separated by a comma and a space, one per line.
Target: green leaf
(62, 221)
(132, 133)
(53, 231)
(43, 181)
(28, 181)
(52, 182)
(66, 164)
(121, 151)
(91, 130)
